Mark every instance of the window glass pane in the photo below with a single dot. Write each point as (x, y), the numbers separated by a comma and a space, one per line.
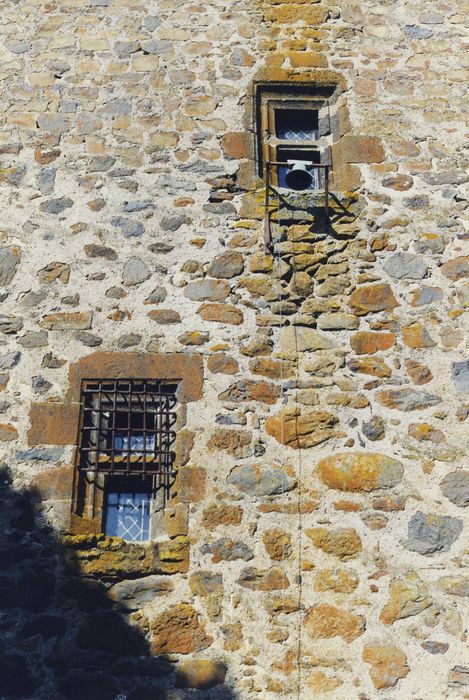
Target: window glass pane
(123, 442)
(296, 124)
(128, 515)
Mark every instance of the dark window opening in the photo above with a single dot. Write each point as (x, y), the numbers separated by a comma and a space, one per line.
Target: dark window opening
(297, 124)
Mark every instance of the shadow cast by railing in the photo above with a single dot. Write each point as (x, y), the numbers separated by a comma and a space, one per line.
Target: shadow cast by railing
(60, 637)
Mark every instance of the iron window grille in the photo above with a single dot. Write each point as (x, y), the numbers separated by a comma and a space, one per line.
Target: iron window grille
(127, 428)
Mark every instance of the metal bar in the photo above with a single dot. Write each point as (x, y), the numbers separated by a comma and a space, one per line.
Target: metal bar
(326, 190)
(267, 232)
(314, 165)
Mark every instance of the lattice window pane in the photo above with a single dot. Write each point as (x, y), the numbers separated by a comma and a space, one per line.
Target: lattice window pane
(297, 124)
(128, 515)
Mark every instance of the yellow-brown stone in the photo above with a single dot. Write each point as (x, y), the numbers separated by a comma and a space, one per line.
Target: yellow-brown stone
(327, 621)
(388, 662)
(201, 674)
(367, 342)
(263, 580)
(277, 544)
(291, 13)
(416, 336)
(424, 432)
(235, 442)
(372, 298)
(374, 366)
(221, 313)
(319, 682)
(274, 369)
(365, 471)
(222, 364)
(8, 432)
(408, 596)
(178, 631)
(336, 580)
(300, 430)
(218, 514)
(343, 543)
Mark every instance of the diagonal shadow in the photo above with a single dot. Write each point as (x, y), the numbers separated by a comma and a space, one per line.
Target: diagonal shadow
(60, 636)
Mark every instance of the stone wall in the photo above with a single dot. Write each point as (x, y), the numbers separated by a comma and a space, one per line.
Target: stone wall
(313, 546)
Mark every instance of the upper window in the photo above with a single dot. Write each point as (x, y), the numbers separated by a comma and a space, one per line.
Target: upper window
(127, 439)
(293, 128)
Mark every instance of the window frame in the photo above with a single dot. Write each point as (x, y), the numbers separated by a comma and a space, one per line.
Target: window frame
(273, 97)
(94, 481)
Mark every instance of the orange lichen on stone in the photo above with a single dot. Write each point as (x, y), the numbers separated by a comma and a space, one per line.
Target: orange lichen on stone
(389, 664)
(372, 298)
(367, 342)
(178, 631)
(326, 621)
(360, 472)
(296, 429)
(344, 543)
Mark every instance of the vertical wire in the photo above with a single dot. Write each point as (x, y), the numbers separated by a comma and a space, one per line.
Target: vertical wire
(278, 260)
(300, 516)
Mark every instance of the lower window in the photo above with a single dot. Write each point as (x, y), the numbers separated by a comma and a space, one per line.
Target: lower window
(127, 508)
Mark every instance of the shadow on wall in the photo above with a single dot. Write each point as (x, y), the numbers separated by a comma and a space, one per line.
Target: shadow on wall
(60, 636)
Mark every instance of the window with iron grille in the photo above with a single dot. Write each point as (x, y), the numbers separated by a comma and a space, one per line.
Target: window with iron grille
(293, 124)
(127, 439)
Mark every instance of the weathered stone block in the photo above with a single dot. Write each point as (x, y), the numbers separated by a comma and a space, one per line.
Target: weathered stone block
(408, 596)
(388, 662)
(235, 442)
(201, 674)
(263, 580)
(250, 390)
(9, 260)
(178, 630)
(367, 342)
(360, 149)
(131, 595)
(300, 430)
(221, 313)
(455, 486)
(343, 543)
(227, 265)
(405, 266)
(222, 514)
(336, 580)
(372, 298)
(456, 269)
(431, 533)
(68, 321)
(299, 339)
(53, 423)
(326, 621)
(360, 472)
(254, 480)
(407, 399)
(207, 289)
(238, 145)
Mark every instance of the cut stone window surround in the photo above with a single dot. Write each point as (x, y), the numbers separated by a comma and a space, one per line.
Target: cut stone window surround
(57, 423)
(293, 122)
(126, 456)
